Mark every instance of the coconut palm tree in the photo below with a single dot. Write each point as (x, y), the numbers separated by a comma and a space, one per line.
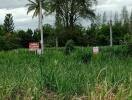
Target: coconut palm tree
(34, 5)
(37, 6)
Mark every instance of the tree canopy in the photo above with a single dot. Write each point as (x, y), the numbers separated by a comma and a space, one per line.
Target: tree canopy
(8, 23)
(69, 11)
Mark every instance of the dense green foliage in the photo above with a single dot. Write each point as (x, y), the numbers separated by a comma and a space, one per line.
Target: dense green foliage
(97, 34)
(34, 5)
(69, 47)
(9, 42)
(73, 71)
(68, 12)
(107, 75)
(8, 23)
(67, 26)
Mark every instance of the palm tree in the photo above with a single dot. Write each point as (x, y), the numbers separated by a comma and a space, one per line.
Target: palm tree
(37, 6)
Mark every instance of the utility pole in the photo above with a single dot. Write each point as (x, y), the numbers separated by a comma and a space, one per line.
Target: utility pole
(111, 34)
(41, 27)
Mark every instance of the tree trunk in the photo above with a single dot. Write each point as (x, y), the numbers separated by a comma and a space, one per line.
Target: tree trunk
(67, 21)
(57, 43)
(67, 16)
(72, 15)
(71, 21)
(41, 28)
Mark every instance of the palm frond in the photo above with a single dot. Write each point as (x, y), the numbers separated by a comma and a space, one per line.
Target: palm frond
(33, 6)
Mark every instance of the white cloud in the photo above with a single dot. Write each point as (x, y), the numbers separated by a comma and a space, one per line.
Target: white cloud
(113, 5)
(12, 3)
(24, 21)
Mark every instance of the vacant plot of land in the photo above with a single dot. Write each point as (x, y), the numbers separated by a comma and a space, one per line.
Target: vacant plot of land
(106, 76)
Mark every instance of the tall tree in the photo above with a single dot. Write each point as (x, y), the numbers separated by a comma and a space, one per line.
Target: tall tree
(125, 15)
(104, 19)
(131, 17)
(125, 20)
(71, 10)
(34, 5)
(116, 18)
(131, 23)
(98, 19)
(58, 22)
(37, 6)
(8, 23)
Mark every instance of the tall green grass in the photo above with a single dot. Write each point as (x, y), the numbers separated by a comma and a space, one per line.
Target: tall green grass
(108, 74)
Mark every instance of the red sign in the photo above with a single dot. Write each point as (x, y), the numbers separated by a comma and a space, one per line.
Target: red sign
(34, 46)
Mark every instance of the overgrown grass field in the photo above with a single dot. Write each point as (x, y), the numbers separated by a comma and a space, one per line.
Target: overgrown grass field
(56, 76)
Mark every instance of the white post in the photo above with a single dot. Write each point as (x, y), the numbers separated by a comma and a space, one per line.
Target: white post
(111, 34)
(41, 28)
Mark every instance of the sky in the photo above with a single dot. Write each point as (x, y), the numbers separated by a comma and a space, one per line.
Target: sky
(24, 21)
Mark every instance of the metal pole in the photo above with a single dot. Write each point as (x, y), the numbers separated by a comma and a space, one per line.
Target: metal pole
(111, 34)
(41, 28)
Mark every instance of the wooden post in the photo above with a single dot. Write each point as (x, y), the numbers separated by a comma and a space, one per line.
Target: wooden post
(111, 34)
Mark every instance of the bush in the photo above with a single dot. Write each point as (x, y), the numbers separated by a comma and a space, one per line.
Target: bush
(130, 49)
(2, 43)
(8, 43)
(69, 47)
(118, 51)
(86, 58)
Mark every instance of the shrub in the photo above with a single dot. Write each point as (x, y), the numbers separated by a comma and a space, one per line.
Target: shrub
(69, 47)
(8, 43)
(130, 49)
(86, 58)
(118, 51)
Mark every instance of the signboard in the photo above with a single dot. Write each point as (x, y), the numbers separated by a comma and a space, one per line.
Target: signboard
(33, 46)
(39, 51)
(95, 50)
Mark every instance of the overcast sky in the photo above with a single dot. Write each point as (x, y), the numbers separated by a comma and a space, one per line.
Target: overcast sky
(24, 21)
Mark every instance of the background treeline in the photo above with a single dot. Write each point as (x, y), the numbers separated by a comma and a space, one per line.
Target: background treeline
(96, 34)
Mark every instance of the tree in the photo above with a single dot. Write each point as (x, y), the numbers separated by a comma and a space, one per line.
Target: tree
(34, 5)
(49, 34)
(125, 20)
(131, 17)
(104, 19)
(58, 30)
(1, 30)
(8, 23)
(131, 23)
(69, 11)
(98, 19)
(116, 18)
(37, 6)
(25, 37)
(58, 23)
(125, 15)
